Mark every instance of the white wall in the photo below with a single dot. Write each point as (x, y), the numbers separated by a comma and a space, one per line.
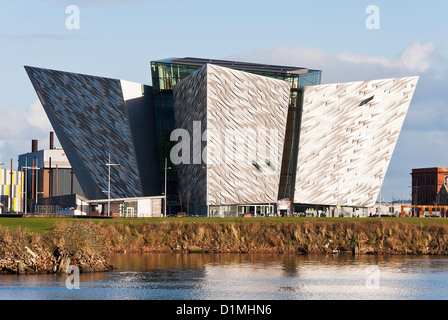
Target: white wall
(58, 157)
(144, 208)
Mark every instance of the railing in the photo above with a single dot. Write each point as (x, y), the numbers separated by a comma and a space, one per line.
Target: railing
(424, 211)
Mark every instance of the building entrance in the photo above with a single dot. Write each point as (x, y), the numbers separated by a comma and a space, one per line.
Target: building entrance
(256, 210)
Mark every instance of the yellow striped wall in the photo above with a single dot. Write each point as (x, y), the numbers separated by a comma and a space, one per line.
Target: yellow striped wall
(17, 186)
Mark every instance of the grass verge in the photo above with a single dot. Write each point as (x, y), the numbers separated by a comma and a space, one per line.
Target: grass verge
(261, 235)
(43, 224)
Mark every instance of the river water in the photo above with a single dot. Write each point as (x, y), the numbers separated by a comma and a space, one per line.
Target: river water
(243, 277)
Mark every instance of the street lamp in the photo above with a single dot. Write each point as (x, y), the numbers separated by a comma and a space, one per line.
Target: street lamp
(206, 188)
(26, 181)
(166, 169)
(416, 202)
(108, 192)
(338, 206)
(380, 211)
(1, 164)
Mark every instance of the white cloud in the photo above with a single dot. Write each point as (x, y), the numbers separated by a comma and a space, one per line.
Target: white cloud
(36, 116)
(13, 122)
(413, 58)
(20, 127)
(347, 65)
(353, 57)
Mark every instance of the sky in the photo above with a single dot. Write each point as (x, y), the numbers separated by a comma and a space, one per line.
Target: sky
(119, 38)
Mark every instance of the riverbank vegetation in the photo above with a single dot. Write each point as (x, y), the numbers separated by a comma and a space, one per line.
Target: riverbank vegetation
(307, 237)
(23, 251)
(87, 242)
(43, 224)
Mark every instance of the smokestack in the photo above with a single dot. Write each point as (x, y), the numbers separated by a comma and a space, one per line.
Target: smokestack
(34, 146)
(51, 140)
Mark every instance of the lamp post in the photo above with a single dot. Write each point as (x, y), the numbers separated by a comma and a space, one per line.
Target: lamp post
(1, 164)
(166, 170)
(206, 188)
(416, 202)
(338, 206)
(380, 211)
(11, 199)
(37, 181)
(26, 182)
(108, 192)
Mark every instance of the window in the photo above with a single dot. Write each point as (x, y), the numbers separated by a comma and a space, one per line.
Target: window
(366, 101)
(269, 163)
(256, 165)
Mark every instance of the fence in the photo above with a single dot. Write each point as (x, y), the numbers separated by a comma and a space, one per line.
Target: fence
(424, 211)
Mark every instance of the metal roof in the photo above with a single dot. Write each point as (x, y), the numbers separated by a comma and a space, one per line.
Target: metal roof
(235, 65)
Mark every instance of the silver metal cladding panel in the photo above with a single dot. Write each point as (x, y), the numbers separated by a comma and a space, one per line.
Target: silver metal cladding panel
(245, 116)
(347, 139)
(90, 118)
(190, 104)
(246, 124)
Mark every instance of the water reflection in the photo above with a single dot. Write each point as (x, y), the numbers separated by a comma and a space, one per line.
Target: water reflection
(244, 276)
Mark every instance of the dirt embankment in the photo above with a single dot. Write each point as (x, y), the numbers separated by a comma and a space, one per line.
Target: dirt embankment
(86, 244)
(23, 252)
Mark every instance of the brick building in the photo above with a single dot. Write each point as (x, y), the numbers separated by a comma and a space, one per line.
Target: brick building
(52, 175)
(430, 186)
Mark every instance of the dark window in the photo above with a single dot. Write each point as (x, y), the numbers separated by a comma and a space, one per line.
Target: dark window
(366, 101)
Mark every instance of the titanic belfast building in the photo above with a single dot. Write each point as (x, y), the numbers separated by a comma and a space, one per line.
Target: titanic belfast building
(227, 138)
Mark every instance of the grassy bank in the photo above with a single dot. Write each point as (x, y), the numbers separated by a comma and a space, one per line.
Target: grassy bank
(43, 225)
(264, 235)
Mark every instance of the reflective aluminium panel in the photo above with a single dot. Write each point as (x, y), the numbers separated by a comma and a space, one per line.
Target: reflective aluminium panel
(245, 118)
(89, 115)
(347, 136)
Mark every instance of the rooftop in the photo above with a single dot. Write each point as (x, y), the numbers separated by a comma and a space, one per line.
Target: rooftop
(430, 170)
(235, 65)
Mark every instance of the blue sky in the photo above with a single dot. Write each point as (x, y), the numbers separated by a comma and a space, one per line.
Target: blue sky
(119, 38)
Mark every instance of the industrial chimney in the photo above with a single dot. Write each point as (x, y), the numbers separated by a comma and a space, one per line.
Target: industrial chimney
(33, 145)
(51, 140)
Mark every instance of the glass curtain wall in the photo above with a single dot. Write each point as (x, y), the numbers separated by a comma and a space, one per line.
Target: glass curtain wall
(165, 75)
(290, 149)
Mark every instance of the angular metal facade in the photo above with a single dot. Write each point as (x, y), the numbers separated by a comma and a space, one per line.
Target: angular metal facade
(190, 105)
(242, 149)
(347, 136)
(91, 117)
(241, 112)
